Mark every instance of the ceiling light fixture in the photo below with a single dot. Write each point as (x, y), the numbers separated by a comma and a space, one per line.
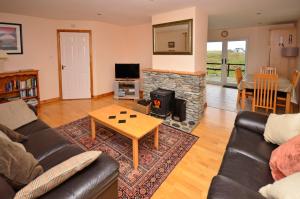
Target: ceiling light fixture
(259, 13)
(99, 14)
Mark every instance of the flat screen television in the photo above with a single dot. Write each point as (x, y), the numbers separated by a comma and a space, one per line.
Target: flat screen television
(127, 71)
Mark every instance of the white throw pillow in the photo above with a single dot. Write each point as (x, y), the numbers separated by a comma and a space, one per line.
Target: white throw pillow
(281, 128)
(16, 114)
(57, 175)
(286, 188)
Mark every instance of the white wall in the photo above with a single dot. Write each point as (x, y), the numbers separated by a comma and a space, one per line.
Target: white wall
(257, 44)
(184, 62)
(111, 44)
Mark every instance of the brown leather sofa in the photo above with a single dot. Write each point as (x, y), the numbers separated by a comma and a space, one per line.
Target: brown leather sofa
(245, 166)
(98, 180)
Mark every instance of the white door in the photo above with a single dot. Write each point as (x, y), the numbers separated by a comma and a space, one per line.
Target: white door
(75, 65)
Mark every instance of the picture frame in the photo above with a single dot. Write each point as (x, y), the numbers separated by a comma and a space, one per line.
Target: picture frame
(11, 38)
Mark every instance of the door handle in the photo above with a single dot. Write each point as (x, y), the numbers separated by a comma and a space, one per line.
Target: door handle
(63, 67)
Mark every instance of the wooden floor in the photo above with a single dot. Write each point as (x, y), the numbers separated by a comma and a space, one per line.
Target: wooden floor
(221, 97)
(192, 175)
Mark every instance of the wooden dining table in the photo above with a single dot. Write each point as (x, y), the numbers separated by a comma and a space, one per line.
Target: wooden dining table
(284, 85)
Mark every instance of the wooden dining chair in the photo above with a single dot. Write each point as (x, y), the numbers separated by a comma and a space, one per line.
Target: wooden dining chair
(239, 78)
(282, 97)
(265, 92)
(268, 70)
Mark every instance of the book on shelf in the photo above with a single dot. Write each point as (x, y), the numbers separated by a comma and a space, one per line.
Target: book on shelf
(28, 93)
(20, 85)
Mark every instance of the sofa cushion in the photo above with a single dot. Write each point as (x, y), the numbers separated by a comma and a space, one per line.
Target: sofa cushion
(286, 188)
(90, 182)
(251, 144)
(60, 156)
(285, 160)
(57, 175)
(16, 165)
(16, 114)
(245, 170)
(281, 128)
(17, 144)
(32, 127)
(225, 188)
(44, 143)
(13, 135)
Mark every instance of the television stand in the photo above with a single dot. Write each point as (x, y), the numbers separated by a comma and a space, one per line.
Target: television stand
(127, 89)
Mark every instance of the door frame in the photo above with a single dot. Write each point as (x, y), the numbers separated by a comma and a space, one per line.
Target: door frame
(59, 57)
(223, 82)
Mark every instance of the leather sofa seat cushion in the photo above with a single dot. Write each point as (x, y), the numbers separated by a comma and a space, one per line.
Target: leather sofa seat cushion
(245, 170)
(59, 156)
(32, 127)
(251, 144)
(44, 143)
(224, 188)
(90, 182)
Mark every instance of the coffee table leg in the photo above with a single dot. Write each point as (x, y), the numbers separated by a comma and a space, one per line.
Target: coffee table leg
(93, 128)
(156, 138)
(135, 153)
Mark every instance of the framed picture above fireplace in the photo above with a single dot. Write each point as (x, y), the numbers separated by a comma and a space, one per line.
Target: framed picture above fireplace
(173, 38)
(11, 38)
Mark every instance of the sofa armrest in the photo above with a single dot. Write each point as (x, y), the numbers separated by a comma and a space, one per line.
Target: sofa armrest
(6, 191)
(252, 121)
(33, 108)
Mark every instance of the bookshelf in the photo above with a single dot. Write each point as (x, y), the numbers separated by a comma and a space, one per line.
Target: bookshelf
(23, 84)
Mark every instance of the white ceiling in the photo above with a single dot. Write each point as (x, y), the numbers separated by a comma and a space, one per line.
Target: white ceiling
(222, 13)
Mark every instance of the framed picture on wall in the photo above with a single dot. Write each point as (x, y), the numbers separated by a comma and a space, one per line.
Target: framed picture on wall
(11, 38)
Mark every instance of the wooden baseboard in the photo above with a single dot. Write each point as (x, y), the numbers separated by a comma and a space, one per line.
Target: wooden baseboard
(103, 95)
(50, 100)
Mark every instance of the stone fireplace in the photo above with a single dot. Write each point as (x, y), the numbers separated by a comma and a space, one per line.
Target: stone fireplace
(187, 85)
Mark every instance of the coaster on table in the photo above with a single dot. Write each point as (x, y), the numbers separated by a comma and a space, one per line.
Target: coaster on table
(133, 116)
(112, 117)
(122, 121)
(123, 112)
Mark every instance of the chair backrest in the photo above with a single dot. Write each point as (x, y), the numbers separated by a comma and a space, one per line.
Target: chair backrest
(268, 70)
(265, 91)
(238, 75)
(295, 78)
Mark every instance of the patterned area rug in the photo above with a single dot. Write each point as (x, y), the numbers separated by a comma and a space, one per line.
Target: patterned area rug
(154, 165)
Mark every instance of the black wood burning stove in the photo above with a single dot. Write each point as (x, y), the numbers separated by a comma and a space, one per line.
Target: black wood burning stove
(162, 102)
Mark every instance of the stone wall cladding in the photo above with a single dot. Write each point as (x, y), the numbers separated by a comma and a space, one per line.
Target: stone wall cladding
(191, 88)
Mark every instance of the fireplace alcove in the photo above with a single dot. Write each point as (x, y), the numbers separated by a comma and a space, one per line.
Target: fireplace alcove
(187, 85)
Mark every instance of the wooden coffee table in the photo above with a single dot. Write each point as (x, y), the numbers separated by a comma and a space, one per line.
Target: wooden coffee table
(134, 128)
